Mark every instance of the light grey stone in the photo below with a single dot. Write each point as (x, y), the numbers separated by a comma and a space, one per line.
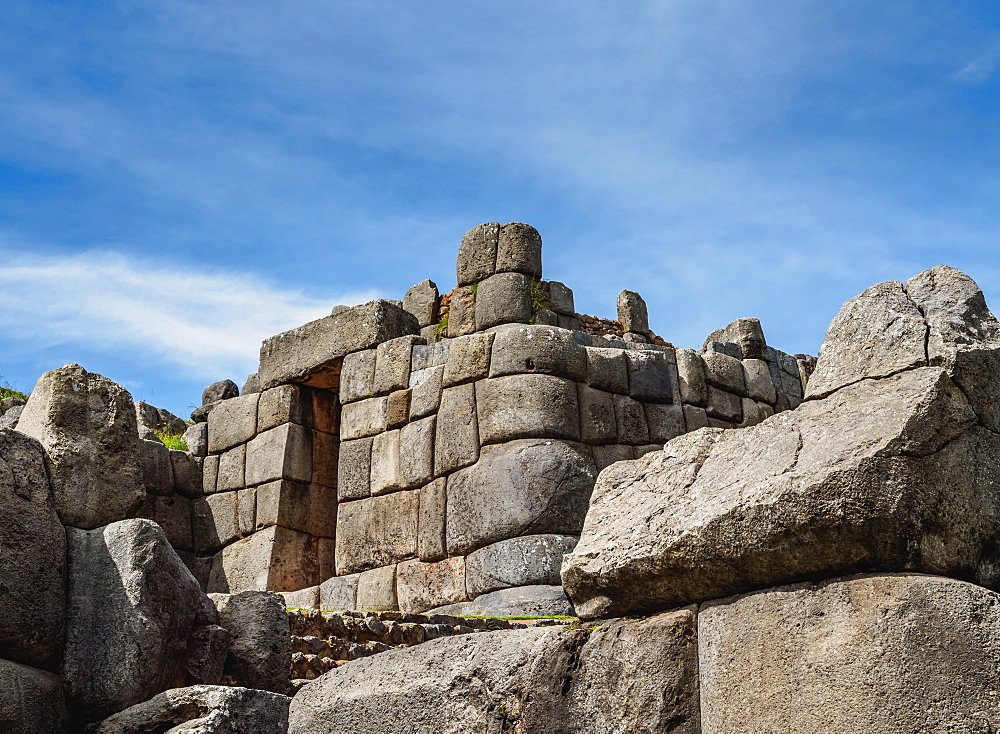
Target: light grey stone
(597, 416)
(468, 359)
(203, 710)
(889, 653)
(132, 619)
(664, 422)
(86, 424)
(694, 418)
(525, 561)
(456, 435)
(251, 385)
(425, 393)
(296, 404)
(377, 590)
(462, 312)
(503, 298)
(523, 601)
(422, 586)
(339, 593)
(354, 469)
(387, 475)
(246, 511)
(605, 456)
(31, 701)
(378, 531)
(154, 462)
(416, 453)
(231, 469)
(274, 559)
(309, 508)
(728, 348)
(284, 452)
(441, 351)
(357, 377)
(312, 354)
(364, 418)
(754, 412)
(520, 349)
(519, 250)
(749, 336)
(758, 381)
(632, 314)
(421, 357)
(392, 364)
(725, 373)
(561, 298)
(173, 514)
(724, 405)
(232, 422)
(607, 369)
(11, 417)
(431, 539)
(210, 474)
(307, 598)
(691, 376)
(525, 406)
(631, 420)
(524, 487)
(221, 390)
(261, 648)
(196, 438)
(422, 301)
(477, 255)
(215, 521)
(652, 376)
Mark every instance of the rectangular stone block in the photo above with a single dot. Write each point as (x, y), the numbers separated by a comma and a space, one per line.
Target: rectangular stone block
(377, 590)
(718, 423)
(284, 452)
(232, 422)
(302, 599)
(215, 521)
(325, 457)
(210, 474)
(526, 406)
(664, 422)
(231, 475)
(462, 314)
(695, 418)
(416, 453)
(532, 348)
(758, 379)
(339, 593)
(187, 473)
(387, 475)
(561, 298)
(456, 434)
(274, 559)
(524, 561)
(607, 369)
(724, 405)
(246, 509)
(605, 456)
(652, 376)
(597, 416)
(725, 373)
(441, 351)
(631, 419)
(327, 557)
(377, 531)
(157, 473)
(791, 386)
(392, 364)
(519, 249)
(421, 357)
(363, 418)
(357, 377)
(422, 586)
(306, 406)
(431, 521)
(504, 298)
(477, 255)
(754, 412)
(691, 376)
(468, 359)
(354, 469)
(173, 514)
(425, 392)
(308, 508)
(397, 412)
(196, 438)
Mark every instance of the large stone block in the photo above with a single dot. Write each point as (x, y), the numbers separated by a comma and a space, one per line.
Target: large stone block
(221, 390)
(274, 559)
(261, 640)
(524, 487)
(519, 250)
(325, 458)
(462, 312)
(504, 298)
(196, 438)
(86, 424)
(416, 453)
(364, 418)
(521, 349)
(758, 379)
(32, 556)
(477, 255)
(232, 469)
(631, 419)
(664, 421)
(215, 521)
(749, 336)
(298, 404)
(607, 369)
(157, 474)
(187, 473)
(284, 452)
(691, 377)
(210, 474)
(232, 422)
(526, 406)
(246, 510)
(378, 531)
(605, 456)
(431, 539)
(422, 301)
(308, 508)
(561, 298)
(31, 701)
(725, 373)
(526, 561)
(357, 377)
(468, 359)
(887, 653)
(339, 593)
(422, 586)
(354, 469)
(652, 376)
(133, 620)
(632, 313)
(397, 409)
(312, 354)
(425, 392)
(392, 364)
(456, 435)
(377, 590)
(597, 416)
(387, 475)
(724, 405)
(173, 514)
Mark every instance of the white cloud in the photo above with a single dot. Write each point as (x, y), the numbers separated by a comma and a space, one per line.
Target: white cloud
(205, 323)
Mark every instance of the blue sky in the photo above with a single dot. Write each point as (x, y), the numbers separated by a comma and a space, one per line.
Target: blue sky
(179, 180)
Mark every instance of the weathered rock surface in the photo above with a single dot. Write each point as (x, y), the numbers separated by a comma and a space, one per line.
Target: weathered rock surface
(620, 676)
(203, 710)
(895, 473)
(134, 618)
(86, 423)
(32, 556)
(260, 651)
(887, 653)
(31, 701)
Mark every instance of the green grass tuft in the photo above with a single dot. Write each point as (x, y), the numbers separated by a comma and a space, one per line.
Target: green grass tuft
(441, 329)
(172, 440)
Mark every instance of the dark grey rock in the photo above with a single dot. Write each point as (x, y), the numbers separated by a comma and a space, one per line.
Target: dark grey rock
(260, 652)
(477, 255)
(251, 385)
(422, 301)
(221, 390)
(31, 701)
(525, 406)
(632, 314)
(504, 298)
(519, 250)
(525, 349)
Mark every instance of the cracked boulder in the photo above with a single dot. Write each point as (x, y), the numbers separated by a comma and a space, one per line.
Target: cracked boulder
(617, 676)
(889, 465)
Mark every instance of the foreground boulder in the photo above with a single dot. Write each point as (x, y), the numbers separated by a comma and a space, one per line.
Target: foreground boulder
(893, 469)
(261, 650)
(618, 676)
(86, 423)
(202, 710)
(891, 653)
(31, 701)
(32, 556)
(137, 622)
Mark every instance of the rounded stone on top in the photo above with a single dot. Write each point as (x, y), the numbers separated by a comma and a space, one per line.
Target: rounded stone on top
(632, 313)
(492, 248)
(477, 255)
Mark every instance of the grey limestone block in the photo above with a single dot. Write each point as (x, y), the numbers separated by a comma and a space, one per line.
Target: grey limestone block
(526, 406)
(221, 390)
(527, 349)
(727, 348)
(583, 338)
(607, 369)
(634, 340)
(312, 354)
(440, 355)
(232, 422)
(297, 404)
(477, 255)
(32, 700)
(273, 559)
(397, 409)
(749, 336)
(307, 598)
(545, 317)
(231, 469)
(421, 357)
(251, 384)
(524, 487)
(422, 586)
(431, 543)
(210, 474)
(539, 600)
(605, 456)
(691, 376)
(503, 298)
(519, 250)
(284, 452)
(664, 422)
(392, 364)
(631, 420)
(695, 418)
(462, 312)
(261, 639)
(173, 514)
(571, 323)
(377, 531)
(354, 469)
(724, 405)
(339, 593)
(308, 508)
(246, 510)
(524, 561)
(754, 412)
(325, 458)
(215, 521)
(425, 392)
(652, 376)
(357, 376)
(196, 438)
(363, 418)
(416, 453)
(422, 301)
(791, 386)
(725, 373)
(377, 590)
(632, 312)
(386, 471)
(187, 473)
(468, 359)
(157, 473)
(456, 435)
(561, 298)
(597, 416)
(758, 379)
